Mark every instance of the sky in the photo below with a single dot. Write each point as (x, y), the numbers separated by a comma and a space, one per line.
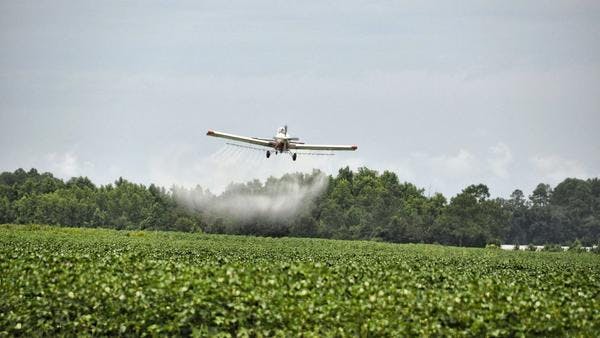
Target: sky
(444, 94)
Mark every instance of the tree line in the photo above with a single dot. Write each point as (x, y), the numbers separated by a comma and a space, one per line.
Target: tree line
(362, 204)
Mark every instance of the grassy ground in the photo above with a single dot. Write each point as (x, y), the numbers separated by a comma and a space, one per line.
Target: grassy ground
(104, 282)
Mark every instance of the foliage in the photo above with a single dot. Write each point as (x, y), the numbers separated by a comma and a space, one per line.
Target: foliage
(576, 247)
(362, 204)
(65, 281)
(552, 248)
(30, 197)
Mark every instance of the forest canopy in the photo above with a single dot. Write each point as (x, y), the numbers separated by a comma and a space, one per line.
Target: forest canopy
(362, 204)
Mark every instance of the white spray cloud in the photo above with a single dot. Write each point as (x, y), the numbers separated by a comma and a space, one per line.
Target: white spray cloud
(276, 199)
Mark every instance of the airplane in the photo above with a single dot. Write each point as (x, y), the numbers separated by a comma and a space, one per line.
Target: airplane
(281, 143)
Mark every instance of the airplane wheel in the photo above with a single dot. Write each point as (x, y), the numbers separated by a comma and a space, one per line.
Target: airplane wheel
(268, 154)
(294, 157)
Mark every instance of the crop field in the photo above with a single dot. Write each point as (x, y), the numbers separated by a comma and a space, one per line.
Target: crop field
(66, 281)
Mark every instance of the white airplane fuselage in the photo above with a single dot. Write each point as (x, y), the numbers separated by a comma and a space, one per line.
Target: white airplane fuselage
(282, 140)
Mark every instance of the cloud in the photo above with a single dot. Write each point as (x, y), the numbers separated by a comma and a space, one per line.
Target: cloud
(500, 160)
(463, 164)
(450, 172)
(554, 168)
(66, 165)
(444, 173)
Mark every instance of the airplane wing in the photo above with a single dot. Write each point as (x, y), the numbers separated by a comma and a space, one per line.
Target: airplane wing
(330, 147)
(252, 140)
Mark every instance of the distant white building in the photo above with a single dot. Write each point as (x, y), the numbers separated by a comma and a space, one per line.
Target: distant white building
(538, 247)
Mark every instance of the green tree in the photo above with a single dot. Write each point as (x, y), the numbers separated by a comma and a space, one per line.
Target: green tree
(518, 210)
(6, 212)
(471, 219)
(541, 195)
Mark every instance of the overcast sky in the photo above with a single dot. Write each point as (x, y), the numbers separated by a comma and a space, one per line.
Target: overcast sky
(505, 93)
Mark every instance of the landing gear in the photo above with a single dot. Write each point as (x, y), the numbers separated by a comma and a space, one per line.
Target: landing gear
(294, 155)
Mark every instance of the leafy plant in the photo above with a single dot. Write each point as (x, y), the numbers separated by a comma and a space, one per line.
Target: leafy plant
(66, 281)
(552, 248)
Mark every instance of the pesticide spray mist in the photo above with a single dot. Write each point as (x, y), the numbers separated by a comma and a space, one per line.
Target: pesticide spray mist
(277, 200)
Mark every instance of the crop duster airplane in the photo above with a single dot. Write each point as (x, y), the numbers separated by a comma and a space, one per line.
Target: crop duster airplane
(282, 143)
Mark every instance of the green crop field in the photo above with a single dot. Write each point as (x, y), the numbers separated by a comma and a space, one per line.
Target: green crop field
(65, 281)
